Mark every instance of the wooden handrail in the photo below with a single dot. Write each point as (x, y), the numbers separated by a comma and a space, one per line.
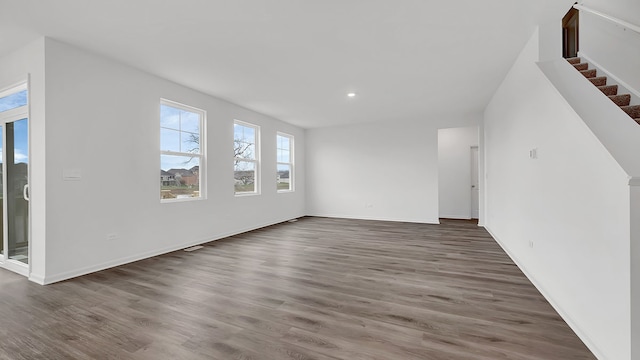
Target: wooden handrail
(622, 23)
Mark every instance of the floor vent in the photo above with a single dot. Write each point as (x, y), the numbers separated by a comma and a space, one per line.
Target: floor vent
(194, 248)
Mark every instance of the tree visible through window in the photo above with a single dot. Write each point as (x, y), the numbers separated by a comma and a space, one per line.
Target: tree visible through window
(181, 151)
(245, 162)
(284, 152)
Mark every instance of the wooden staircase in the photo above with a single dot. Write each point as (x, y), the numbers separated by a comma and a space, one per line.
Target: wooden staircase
(622, 100)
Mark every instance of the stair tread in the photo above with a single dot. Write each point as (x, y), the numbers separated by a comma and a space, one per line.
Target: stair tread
(581, 66)
(621, 100)
(632, 110)
(599, 80)
(589, 73)
(609, 89)
(573, 60)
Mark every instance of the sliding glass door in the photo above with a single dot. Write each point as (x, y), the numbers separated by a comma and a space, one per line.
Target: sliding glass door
(14, 180)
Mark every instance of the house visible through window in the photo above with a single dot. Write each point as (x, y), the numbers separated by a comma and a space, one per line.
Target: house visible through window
(246, 158)
(284, 153)
(181, 151)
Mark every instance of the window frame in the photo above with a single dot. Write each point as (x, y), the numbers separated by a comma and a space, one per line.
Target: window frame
(255, 160)
(201, 144)
(290, 163)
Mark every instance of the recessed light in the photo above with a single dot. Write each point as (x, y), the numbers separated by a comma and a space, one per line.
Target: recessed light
(351, 94)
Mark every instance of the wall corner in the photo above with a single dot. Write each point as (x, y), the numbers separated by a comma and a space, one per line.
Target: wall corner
(634, 265)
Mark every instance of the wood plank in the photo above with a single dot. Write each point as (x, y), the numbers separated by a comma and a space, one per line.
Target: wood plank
(318, 288)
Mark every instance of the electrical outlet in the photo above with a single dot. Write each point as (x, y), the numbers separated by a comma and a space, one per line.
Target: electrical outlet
(112, 236)
(531, 244)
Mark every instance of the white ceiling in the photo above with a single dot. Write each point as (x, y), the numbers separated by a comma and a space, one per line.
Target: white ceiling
(296, 59)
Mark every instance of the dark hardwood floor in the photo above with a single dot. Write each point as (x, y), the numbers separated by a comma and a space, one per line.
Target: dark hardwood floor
(315, 289)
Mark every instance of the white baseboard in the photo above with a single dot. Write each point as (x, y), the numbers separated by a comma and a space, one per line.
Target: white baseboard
(50, 279)
(547, 295)
(374, 218)
(38, 279)
(457, 217)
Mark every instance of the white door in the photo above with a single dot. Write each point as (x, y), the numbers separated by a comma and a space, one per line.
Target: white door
(475, 194)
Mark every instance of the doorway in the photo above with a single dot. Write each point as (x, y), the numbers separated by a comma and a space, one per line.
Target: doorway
(455, 171)
(14, 179)
(570, 39)
(475, 188)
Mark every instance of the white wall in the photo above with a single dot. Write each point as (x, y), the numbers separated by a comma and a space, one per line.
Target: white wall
(28, 63)
(381, 171)
(611, 47)
(103, 118)
(627, 10)
(564, 217)
(454, 171)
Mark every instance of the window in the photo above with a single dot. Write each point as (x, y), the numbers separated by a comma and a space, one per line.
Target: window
(284, 153)
(181, 151)
(14, 100)
(246, 158)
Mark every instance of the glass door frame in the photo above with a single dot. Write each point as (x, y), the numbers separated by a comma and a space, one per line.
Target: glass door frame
(6, 117)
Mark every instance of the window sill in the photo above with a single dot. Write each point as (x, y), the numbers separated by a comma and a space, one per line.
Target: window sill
(179, 200)
(242, 194)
